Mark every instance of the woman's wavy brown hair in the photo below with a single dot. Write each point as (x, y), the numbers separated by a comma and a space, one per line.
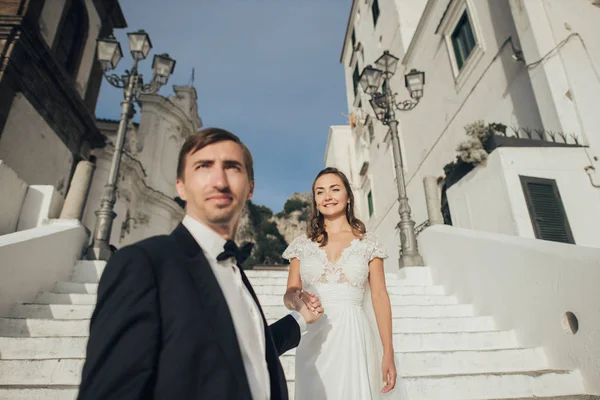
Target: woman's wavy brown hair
(316, 224)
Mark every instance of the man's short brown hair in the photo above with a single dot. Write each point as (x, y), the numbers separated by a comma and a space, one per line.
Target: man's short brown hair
(209, 136)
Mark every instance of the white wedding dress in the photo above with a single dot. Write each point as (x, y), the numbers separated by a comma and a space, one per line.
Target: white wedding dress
(340, 355)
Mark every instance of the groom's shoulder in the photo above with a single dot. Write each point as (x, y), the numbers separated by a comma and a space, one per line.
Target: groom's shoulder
(157, 245)
(152, 242)
(150, 248)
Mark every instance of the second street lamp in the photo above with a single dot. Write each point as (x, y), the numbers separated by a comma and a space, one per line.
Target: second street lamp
(384, 105)
(109, 53)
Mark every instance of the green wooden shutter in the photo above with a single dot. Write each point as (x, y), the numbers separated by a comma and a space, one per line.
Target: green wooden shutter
(546, 210)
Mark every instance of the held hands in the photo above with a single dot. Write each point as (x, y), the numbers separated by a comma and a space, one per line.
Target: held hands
(389, 372)
(308, 305)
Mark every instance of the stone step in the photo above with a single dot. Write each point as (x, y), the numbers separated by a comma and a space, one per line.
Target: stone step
(90, 272)
(84, 311)
(39, 348)
(569, 397)
(433, 311)
(59, 392)
(76, 287)
(70, 393)
(39, 393)
(254, 274)
(487, 385)
(58, 311)
(65, 298)
(29, 327)
(516, 385)
(432, 363)
(282, 282)
(265, 299)
(92, 288)
(281, 273)
(419, 275)
(425, 290)
(66, 371)
(456, 363)
(421, 300)
(20, 327)
(417, 342)
(409, 363)
(450, 324)
(43, 339)
(403, 290)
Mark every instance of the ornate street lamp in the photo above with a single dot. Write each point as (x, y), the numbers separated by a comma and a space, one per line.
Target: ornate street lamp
(384, 105)
(109, 53)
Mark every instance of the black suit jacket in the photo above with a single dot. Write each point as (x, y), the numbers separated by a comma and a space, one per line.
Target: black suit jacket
(162, 329)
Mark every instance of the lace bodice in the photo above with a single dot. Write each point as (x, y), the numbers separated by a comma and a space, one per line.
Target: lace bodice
(352, 267)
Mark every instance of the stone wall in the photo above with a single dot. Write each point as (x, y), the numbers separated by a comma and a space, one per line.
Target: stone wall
(12, 193)
(526, 285)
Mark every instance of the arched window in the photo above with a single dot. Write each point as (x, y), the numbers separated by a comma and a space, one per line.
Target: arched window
(72, 36)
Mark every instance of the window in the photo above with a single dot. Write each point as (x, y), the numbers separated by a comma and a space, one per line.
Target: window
(73, 35)
(375, 11)
(463, 40)
(355, 78)
(546, 210)
(370, 202)
(353, 39)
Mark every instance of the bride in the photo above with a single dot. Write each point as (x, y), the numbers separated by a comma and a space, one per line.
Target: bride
(348, 354)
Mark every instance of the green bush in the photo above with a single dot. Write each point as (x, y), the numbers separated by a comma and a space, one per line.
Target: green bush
(269, 244)
(294, 205)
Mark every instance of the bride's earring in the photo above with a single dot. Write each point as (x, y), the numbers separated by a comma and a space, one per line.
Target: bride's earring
(318, 213)
(348, 207)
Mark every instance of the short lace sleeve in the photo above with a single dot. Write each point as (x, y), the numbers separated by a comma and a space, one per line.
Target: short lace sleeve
(294, 250)
(374, 248)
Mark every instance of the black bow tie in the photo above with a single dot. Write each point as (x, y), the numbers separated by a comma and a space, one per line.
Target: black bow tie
(232, 250)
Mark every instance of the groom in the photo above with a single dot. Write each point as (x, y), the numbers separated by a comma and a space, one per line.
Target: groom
(175, 317)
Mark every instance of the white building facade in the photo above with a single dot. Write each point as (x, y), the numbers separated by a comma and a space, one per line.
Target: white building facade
(49, 86)
(529, 65)
(146, 190)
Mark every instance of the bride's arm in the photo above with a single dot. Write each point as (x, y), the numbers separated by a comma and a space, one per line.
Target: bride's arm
(294, 284)
(381, 304)
(383, 315)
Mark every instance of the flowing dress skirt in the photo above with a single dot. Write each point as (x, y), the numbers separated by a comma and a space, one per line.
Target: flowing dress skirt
(339, 357)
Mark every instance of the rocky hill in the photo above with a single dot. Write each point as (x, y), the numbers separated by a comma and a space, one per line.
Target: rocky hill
(272, 233)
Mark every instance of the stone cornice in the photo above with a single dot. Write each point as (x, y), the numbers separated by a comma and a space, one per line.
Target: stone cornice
(30, 67)
(196, 120)
(159, 104)
(110, 11)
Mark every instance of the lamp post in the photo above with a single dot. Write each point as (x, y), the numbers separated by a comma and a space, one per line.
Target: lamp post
(109, 53)
(384, 105)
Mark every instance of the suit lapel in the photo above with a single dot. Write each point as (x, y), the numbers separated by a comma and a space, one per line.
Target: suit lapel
(212, 301)
(278, 387)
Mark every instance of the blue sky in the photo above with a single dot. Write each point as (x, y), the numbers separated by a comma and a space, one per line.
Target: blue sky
(267, 70)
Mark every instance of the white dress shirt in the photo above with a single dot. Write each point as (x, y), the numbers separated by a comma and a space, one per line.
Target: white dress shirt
(244, 311)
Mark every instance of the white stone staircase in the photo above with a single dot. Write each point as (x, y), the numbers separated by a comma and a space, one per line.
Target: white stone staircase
(444, 350)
